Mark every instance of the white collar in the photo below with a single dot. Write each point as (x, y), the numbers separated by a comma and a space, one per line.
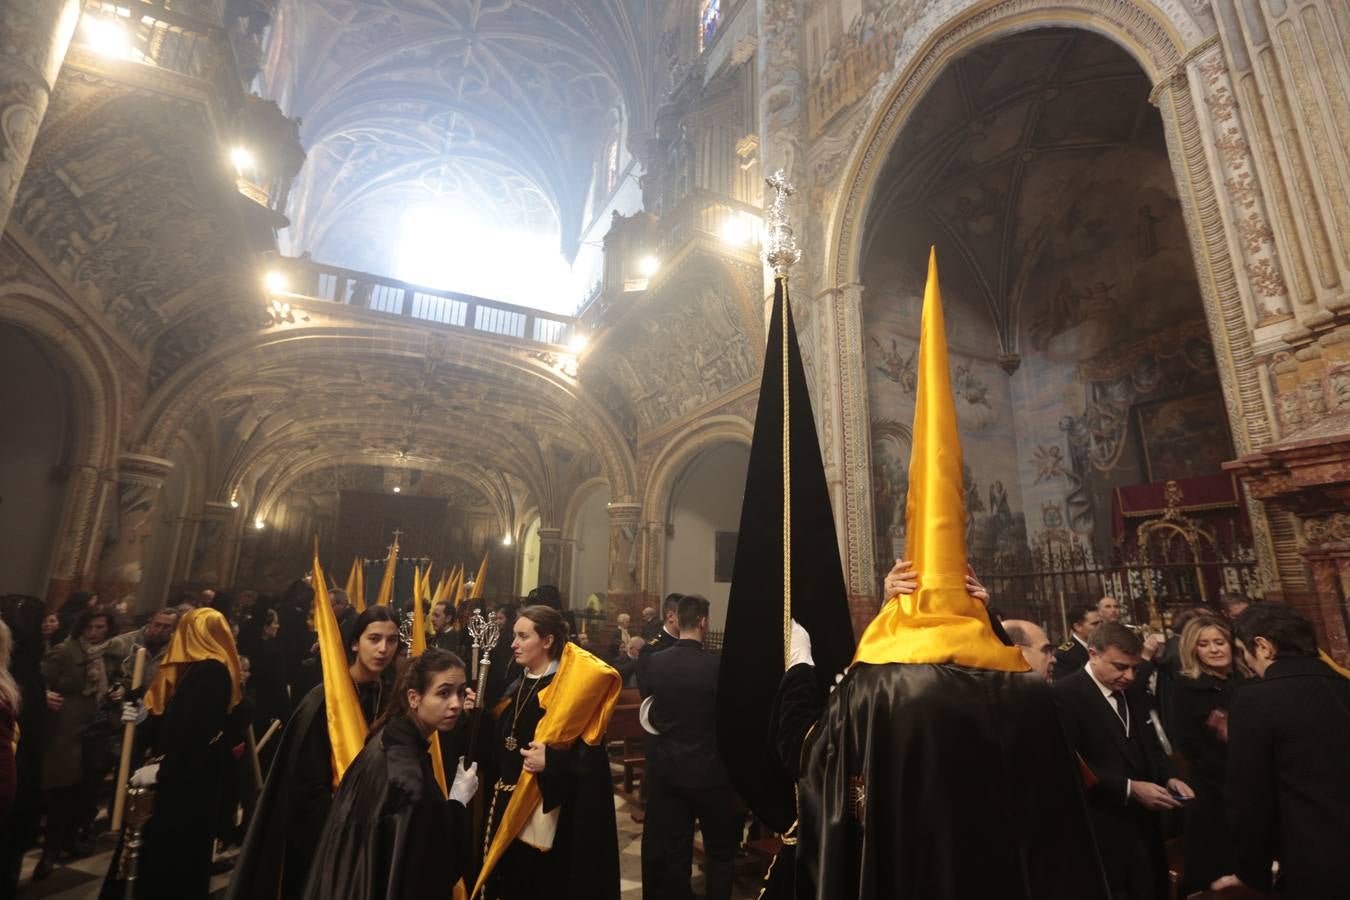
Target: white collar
(1124, 715)
(552, 667)
(1074, 635)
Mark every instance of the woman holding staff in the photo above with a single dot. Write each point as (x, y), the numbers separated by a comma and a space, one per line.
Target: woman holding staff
(550, 827)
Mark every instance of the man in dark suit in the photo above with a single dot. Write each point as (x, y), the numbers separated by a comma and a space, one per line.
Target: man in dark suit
(686, 780)
(1108, 727)
(1288, 742)
(1072, 655)
(662, 640)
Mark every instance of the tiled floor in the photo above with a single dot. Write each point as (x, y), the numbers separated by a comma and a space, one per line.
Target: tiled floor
(82, 879)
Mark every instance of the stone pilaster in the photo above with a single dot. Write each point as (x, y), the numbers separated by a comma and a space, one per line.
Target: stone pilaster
(139, 479)
(1288, 72)
(34, 38)
(845, 448)
(623, 592)
(550, 557)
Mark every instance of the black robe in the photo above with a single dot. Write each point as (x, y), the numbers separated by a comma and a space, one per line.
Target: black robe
(391, 834)
(583, 863)
(174, 862)
(289, 818)
(925, 782)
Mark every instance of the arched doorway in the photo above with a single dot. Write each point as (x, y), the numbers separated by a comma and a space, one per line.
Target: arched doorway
(1081, 355)
(35, 460)
(705, 514)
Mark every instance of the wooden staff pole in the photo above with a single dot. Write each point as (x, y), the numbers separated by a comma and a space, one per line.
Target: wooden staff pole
(128, 743)
(252, 747)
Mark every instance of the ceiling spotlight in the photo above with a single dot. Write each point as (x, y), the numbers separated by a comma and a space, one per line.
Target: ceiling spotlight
(234, 504)
(648, 266)
(107, 36)
(243, 159)
(259, 524)
(578, 343)
(397, 489)
(275, 281)
(506, 540)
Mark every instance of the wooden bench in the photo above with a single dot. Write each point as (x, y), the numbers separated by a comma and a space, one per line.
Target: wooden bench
(626, 731)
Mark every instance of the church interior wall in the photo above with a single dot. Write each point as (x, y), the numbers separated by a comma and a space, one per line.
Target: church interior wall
(590, 560)
(35, 460)
(705, 501)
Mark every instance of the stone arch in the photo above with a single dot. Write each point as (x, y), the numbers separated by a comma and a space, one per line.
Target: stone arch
(96, 400)
(672, 461)
(1163, 39)
(677, 456)
(574, 504)
(264, 504)
(172, 405)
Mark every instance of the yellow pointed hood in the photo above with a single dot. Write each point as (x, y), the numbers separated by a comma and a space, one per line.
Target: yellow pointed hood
(940, 622)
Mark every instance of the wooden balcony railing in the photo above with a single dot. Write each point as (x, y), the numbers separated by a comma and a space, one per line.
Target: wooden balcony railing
(362, 290)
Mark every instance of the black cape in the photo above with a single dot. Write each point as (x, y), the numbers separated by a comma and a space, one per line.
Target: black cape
(925, 782)
(289, 818)
(584, 861)
(174, 862)
(391, 834)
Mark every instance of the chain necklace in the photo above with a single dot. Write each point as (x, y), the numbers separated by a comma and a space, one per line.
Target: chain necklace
(511, 743)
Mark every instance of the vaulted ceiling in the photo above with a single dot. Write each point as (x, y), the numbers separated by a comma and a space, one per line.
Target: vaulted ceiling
(497, 109)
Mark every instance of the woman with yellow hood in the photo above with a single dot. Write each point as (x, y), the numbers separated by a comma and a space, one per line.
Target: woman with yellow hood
(188, 704)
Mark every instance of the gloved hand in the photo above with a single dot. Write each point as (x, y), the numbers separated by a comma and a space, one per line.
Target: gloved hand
(801, 647)
(145, 776)
(133, 712)
(465, 784)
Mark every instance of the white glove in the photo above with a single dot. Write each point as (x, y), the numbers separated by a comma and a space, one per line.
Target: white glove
(145, 776)
(133, 713)
(801, 647)
(465, 784)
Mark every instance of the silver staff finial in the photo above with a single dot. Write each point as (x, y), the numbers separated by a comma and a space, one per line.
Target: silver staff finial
(780, 251)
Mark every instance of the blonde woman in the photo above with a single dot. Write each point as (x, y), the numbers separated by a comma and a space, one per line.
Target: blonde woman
(1200, 731)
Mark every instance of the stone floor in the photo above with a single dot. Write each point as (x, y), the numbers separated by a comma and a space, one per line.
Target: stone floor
(81, 879)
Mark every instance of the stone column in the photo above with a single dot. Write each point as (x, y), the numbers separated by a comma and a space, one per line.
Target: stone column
(567, 555)
(652, 577)
(139, 479)
(34, 38)
(550, 557)
(213, 549)
(623, 592)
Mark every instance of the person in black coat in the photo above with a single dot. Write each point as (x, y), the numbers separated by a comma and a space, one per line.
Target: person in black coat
(1072, 655)
(1288, 742)
(19, 826)
(1201, 696)
(686, 778)
(294, 804)
(190, 700)
(1108, 727)
(392, 834)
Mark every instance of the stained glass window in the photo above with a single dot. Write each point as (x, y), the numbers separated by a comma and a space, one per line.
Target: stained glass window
(709, 17)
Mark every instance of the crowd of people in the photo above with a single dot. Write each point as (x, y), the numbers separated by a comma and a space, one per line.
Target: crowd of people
(1228, 731)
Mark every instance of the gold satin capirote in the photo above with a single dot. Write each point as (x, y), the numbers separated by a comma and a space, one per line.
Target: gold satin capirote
(347, 726)
(577, 705)
(940, 622)
(202, 634)
(419, 646)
